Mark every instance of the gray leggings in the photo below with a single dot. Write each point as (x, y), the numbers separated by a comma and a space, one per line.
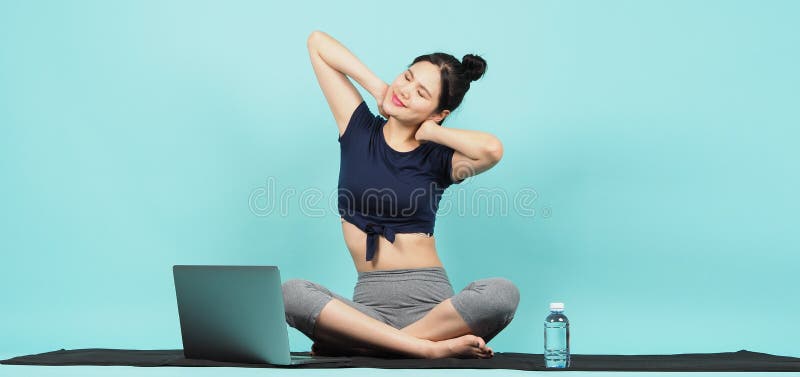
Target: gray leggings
(401, 297)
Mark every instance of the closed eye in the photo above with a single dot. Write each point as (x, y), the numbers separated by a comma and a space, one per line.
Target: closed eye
(418, 92)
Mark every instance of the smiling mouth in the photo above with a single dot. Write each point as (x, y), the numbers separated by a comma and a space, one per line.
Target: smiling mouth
(397, 101)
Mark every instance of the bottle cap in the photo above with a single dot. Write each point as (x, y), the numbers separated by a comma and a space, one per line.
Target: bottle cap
(557, 306)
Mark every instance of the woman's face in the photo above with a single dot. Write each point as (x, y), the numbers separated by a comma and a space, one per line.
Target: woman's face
(417, 89)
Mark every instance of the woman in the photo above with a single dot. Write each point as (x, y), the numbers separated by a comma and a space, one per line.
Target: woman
(403, 302)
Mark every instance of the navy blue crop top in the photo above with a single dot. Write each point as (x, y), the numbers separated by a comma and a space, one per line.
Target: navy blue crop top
(383, 191)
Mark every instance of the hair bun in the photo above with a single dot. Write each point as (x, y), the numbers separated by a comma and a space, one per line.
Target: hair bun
(474, 66)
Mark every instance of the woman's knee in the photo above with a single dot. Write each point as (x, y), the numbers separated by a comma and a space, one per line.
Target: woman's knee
(301, 299)
(497, 297)
(488, 305)
(503, 295)
(293, 291)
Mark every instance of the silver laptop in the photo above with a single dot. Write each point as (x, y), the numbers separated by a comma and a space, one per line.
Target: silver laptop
(235, 313)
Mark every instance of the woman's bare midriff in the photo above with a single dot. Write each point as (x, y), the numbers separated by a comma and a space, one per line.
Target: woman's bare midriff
(409, 250)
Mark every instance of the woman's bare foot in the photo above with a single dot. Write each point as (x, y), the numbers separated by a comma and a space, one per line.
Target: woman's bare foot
(465, 347)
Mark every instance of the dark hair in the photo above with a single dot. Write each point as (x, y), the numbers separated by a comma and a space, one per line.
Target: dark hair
(456, 76)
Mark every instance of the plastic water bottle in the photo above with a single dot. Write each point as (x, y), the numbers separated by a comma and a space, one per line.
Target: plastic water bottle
(556, 337)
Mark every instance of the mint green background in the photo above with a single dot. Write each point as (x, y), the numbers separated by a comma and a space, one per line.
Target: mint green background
(659, 137)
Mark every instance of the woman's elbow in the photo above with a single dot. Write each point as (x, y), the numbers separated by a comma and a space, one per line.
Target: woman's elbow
(494, 151)
(312, 38)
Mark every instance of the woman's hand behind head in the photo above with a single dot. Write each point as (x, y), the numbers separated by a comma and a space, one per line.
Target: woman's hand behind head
(379, 96)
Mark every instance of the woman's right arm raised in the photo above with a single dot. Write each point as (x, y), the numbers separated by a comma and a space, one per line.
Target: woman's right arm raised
(332, 64)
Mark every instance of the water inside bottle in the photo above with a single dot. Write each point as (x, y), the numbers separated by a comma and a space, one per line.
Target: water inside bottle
(556, 333)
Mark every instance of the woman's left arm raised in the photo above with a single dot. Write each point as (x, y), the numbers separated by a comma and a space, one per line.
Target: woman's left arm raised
(475, 151)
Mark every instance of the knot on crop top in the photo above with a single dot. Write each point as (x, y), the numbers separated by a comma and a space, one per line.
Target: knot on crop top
(373, 176)
(373, 232)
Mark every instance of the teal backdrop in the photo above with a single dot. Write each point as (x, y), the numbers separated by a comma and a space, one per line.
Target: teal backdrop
(649, 180)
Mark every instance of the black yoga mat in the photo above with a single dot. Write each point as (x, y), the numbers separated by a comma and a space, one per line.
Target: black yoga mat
(745, 361)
